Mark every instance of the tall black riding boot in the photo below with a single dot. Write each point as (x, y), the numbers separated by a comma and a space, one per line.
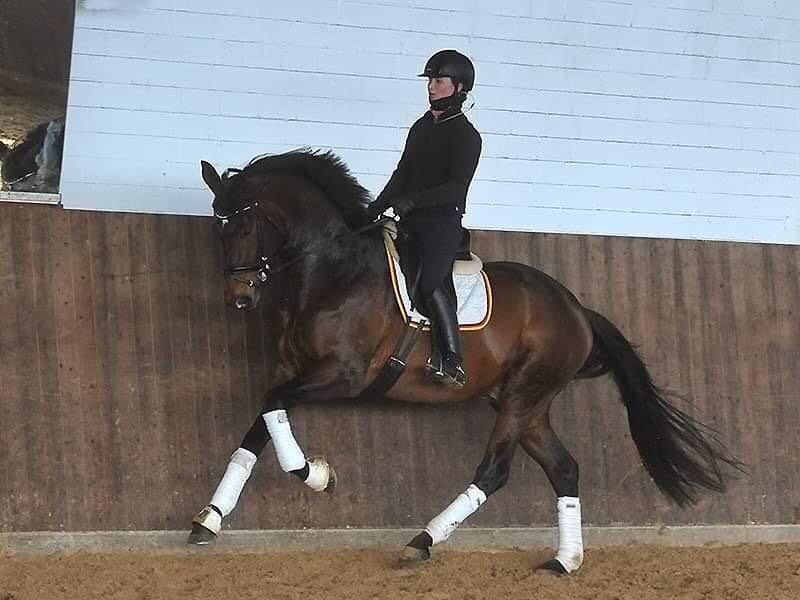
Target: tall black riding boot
(449, 368)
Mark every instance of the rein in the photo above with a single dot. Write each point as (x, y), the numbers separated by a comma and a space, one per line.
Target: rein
(324, 243)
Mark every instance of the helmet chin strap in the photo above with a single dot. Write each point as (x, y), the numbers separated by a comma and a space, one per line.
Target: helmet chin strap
(454, 99)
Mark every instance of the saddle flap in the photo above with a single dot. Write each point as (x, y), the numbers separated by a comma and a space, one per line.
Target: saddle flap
(470, 284)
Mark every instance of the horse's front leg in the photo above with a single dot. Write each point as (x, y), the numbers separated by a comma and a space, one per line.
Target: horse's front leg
(207, 524)
(315, 472)
(272, 424)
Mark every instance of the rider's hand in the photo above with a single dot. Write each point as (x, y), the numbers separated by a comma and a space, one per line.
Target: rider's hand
(403, 206)
(376, 209)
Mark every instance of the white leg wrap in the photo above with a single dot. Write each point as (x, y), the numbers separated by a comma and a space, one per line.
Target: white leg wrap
(290, 456)
(570, 537)
(445, 523)
(239, 468)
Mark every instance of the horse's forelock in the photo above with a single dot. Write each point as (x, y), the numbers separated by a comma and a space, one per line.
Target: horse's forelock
(230, 198)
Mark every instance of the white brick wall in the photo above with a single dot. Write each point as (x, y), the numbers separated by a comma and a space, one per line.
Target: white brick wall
(661, 118)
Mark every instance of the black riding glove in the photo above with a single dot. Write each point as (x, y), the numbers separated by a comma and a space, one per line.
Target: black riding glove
(377, 208)
(402, 206)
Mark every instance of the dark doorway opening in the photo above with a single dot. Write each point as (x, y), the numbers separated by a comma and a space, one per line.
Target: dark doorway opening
(35, 48)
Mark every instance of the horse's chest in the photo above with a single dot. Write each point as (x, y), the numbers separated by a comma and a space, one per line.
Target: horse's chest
(310, 336)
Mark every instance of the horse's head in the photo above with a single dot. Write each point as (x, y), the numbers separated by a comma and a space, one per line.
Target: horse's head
(251, 237)
(283, 207)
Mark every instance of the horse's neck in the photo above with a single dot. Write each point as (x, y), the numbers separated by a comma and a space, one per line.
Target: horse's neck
(332, 272)
(319, 288)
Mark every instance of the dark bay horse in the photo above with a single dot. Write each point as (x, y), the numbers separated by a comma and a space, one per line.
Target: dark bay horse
(300, 216)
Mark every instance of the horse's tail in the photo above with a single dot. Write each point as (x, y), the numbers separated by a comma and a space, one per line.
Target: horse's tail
(680, 453)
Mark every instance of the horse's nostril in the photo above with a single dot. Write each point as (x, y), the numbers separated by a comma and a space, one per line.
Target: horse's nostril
(242, 302)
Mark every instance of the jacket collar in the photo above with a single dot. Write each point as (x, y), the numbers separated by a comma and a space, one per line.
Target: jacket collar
(445, 116)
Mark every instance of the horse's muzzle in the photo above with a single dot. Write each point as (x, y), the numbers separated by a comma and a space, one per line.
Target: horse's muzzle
(242, 303)
(241, 296)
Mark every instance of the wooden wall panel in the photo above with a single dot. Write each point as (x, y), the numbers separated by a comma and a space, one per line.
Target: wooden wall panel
(125, 384)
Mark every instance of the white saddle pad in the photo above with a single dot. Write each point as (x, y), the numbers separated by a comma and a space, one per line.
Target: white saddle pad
(473, 291)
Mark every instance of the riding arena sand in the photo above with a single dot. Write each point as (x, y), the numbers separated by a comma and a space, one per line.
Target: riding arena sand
(744, 572)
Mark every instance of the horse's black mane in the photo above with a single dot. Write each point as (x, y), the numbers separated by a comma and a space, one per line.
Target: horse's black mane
(324, 169)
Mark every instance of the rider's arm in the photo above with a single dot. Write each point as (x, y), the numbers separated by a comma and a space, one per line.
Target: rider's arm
(397, 182)
(396, 186)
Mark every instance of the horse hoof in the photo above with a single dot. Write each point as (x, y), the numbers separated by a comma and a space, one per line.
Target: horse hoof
(321, 475)
(331, 487)
(201, 536)
(552, 567)
(414, 556)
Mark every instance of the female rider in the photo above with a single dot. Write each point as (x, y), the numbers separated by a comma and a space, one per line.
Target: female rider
(428, 191)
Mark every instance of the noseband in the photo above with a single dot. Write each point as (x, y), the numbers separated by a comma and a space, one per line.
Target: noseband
(262, 268)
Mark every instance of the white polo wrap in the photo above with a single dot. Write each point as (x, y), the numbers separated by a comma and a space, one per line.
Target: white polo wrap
(444, 524)
(290, 456)
(230, 488)
(570, 537)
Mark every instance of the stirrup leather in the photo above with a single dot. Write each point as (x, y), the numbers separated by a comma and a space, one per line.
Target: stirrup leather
(434, 366)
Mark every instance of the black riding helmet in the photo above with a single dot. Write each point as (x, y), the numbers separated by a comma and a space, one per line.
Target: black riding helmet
(456, 66)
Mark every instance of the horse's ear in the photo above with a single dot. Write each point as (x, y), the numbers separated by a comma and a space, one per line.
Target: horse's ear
(211, 177)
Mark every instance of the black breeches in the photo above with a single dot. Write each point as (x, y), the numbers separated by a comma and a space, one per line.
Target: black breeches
(434, 237)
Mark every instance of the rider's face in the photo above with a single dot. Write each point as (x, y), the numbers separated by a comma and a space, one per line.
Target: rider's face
(440, 87)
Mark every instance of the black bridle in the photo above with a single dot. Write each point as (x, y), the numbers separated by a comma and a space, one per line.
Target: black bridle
(262, 269)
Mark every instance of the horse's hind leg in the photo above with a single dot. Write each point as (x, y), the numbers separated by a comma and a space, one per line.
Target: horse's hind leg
(491, 475)
(542, 444)
(207, 523)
